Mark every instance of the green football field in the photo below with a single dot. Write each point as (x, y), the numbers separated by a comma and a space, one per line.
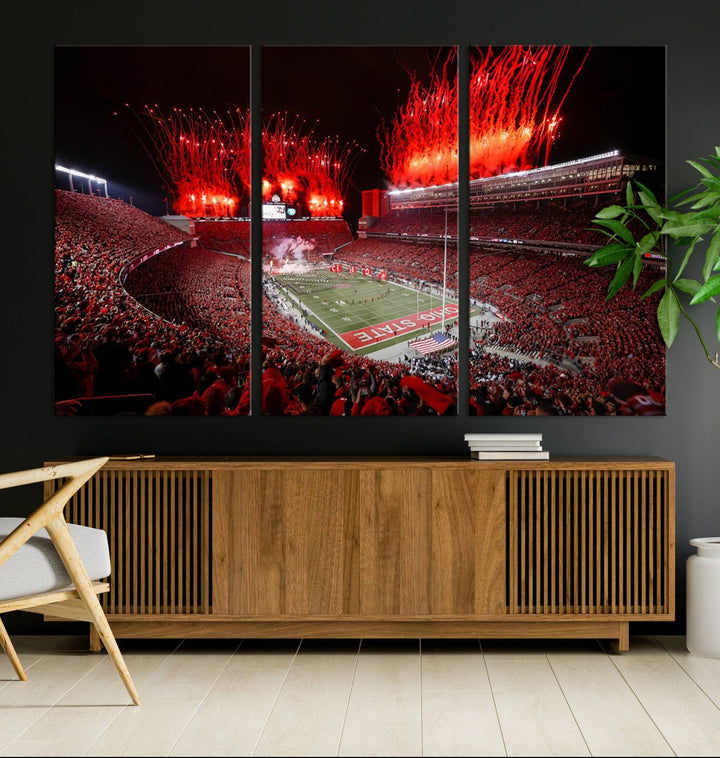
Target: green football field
(348, 303)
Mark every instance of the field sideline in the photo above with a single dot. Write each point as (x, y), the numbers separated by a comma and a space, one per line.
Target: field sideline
(357, 310)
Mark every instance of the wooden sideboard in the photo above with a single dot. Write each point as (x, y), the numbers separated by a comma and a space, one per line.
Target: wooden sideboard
(384, 547)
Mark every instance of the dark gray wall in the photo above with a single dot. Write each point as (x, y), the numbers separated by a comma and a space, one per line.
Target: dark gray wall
(689, 434)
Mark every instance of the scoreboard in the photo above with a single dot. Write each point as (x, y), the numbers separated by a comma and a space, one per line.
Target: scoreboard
(274, 211)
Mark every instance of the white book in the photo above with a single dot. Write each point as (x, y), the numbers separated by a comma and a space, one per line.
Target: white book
(503, 437)
(518, 446)
(542, 455)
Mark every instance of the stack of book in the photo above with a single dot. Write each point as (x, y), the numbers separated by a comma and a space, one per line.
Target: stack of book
(507, 447)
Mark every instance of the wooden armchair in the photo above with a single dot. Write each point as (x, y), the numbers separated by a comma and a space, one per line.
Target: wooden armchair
(48, 566)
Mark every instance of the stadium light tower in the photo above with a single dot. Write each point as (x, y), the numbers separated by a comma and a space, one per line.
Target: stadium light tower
(73, 172)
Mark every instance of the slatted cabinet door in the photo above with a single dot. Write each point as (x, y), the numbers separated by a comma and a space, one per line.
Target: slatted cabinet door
(587, 541)
(158, 523)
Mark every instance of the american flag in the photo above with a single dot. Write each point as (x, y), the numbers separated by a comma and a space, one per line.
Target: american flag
(435, 342)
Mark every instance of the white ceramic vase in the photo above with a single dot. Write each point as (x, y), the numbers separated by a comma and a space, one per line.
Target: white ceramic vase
(703, 598)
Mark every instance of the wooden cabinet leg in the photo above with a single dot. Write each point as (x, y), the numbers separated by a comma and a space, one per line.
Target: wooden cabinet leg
(622, 643)
(624, 637)
(95, 643)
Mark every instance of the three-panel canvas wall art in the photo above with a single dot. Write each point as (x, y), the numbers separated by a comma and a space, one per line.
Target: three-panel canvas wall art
(361, 185)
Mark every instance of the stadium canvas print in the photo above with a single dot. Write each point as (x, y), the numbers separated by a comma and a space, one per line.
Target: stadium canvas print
(152, 269)
(556, 133)
(360, 184)
(360, 302)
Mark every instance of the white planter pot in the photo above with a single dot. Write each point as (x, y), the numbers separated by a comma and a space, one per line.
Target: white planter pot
(703, 598)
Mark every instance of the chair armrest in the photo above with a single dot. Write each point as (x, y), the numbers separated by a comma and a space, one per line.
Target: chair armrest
(77, 474)
(62, 471)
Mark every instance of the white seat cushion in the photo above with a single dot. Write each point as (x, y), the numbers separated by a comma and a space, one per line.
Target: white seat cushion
(36, 567)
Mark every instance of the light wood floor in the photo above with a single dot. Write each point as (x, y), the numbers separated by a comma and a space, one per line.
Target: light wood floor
(357, 698)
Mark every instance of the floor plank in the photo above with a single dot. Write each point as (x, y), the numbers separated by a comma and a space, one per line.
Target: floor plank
(534, 717)
(686, 716)
(458, 709)
(190, 672)
(49, 679)
(64, 731)
(310, 710)
(453, 665)
(384, 712)
(705, 672)
(460, 723)
(610, 717)
(265, 654)
(103, 685)
(231, 718)
(148, 730)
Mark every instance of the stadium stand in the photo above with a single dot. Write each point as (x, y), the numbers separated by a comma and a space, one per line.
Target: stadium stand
(177, 333)
(108, 346)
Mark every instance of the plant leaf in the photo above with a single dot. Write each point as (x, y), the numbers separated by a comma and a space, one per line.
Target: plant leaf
(637, 267)
(646, 244)
(694, 228)
(668, 315)
(652, 209)
(622, 274)
(712, 182)
(684, 263)
(687, 285)
(706, 199)
(708, 290)
(650, 202)
(629, 195)
(653, 288)
(617, 228)
(699, 167)
(611, 253)
(612, 211)
(713, 255)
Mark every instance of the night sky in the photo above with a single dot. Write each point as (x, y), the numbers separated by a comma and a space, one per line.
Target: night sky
(617, 101)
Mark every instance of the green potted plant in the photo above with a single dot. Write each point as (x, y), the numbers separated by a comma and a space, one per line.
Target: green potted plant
(641, 228)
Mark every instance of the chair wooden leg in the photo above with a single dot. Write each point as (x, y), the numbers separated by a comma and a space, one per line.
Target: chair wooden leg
(70, 557)
(7, 646)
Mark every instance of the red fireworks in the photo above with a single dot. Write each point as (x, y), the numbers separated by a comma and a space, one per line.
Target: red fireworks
(515, 106)
(192, 151)
(297, 166)
(419, 147)
(205, 159)
(515, 102)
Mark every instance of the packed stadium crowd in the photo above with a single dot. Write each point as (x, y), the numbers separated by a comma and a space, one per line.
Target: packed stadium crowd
(177, 333)
(107, 344)
(229, 236)
(417, 221)
(548, 221)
